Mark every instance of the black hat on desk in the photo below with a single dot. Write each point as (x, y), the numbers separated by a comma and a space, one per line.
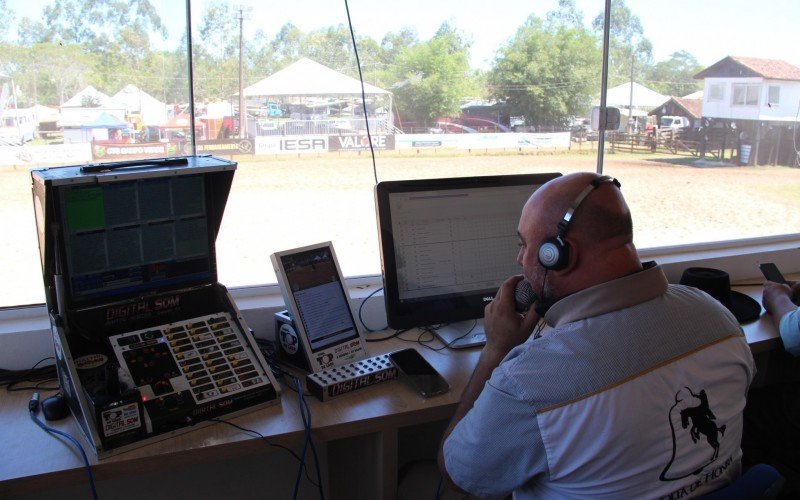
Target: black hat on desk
(717, 283)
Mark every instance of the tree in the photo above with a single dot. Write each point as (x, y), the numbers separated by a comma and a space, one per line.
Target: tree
(548, 72)
(431, 77)
(114, 35)
(630, 52)
(6, 19)
(216, 53)
(675, 76)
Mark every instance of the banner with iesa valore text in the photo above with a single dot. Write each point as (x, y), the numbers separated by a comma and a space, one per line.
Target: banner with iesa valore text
(275, 145)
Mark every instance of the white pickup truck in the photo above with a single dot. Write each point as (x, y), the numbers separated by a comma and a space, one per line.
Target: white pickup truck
(678, 122)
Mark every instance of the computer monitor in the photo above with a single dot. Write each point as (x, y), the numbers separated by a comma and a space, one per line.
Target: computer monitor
(448, 244)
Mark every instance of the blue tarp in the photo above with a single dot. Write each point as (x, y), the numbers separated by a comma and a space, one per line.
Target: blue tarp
(106, 121)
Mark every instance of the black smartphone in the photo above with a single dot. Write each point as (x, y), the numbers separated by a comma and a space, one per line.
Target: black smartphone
(424, 377)
(771, 272)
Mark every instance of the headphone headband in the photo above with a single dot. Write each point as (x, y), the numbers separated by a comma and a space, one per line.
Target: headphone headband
(596, 183)
(554, 252)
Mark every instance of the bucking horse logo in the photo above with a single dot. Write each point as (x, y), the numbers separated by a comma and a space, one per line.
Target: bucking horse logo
(700, 421)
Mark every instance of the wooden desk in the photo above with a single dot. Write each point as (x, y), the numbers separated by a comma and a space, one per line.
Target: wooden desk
(360, 428)
(366, 421)
(761, 334)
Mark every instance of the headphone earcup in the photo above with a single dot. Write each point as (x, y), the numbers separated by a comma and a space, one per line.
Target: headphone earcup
(553, 254)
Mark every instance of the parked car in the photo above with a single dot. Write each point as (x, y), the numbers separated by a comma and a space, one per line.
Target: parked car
(678, 122)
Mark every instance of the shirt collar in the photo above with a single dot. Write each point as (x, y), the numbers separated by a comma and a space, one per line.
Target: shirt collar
(610, 296)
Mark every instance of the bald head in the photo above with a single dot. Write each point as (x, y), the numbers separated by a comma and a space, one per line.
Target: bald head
(599, 234)
(601, 218)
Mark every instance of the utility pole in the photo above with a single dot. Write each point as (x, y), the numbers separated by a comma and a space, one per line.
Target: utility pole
(630, 101)
(242, 13)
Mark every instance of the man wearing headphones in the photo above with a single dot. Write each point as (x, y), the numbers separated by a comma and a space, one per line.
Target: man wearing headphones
(630, 387)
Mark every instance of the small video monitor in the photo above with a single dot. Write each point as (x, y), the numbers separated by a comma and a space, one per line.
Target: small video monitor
(313, 290)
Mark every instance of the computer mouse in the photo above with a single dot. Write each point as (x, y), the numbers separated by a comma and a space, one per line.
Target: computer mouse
(55, 407)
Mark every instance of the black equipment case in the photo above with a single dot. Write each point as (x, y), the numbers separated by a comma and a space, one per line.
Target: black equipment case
(147, 343)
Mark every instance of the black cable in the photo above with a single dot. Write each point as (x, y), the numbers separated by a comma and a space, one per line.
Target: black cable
(39, 376)
(363, 93)
(448, 344)
(256, 433)
(361, 318)
(391, 336)
(33, 407)
(305, 412)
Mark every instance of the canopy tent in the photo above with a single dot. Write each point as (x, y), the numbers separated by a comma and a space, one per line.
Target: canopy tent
(106, 121)
(308, 78)
(100, 99)
(642, 98)
(86, 106)
(151, 111)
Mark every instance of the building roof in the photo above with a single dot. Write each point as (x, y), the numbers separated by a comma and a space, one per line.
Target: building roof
(693, 108)
(308, 78)
(735, 66)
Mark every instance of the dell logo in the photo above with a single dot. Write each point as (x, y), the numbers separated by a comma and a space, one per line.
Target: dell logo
(488, 299)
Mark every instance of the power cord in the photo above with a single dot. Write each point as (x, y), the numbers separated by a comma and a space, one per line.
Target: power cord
(268, 350)
(33, 408)
(36, 375)
(305, 413)
(361, 318)
(258, 434)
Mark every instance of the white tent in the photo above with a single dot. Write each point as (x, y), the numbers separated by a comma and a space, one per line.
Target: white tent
(101, 99)
(308, 78)
(135, 100)
(74, 113)
(643, 99)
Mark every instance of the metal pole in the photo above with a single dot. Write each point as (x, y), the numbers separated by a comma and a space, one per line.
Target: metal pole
(630, 98)
(191, 73)
(603, 88)
(242, 100)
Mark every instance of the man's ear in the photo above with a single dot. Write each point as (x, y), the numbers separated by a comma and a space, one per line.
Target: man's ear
(574, 256)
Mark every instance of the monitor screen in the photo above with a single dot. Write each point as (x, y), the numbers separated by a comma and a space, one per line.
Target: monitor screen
(134, 236)
(321, 301)
(448, 244)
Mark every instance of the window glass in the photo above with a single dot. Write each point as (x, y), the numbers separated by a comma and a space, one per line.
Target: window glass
(745, 95)
(774, 96)
(716, 92)
(452, 88)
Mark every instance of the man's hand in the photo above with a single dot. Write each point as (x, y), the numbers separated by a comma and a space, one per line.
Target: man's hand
(505, 327)
(780, 299)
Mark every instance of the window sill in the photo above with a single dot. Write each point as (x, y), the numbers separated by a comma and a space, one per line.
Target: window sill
(25, 331)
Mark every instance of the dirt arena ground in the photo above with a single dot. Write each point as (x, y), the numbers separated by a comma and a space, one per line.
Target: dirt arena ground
(279, 203)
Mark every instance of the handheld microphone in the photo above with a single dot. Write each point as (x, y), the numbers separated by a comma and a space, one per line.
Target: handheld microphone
(524, 296)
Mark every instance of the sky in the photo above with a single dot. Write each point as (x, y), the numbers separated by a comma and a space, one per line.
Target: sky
(708, 29)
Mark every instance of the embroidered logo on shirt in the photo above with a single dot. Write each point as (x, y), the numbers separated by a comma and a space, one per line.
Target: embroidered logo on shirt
(696, 419)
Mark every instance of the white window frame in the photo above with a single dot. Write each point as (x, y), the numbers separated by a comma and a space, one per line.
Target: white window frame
(748, 90)
(777, 101)
(713, 90)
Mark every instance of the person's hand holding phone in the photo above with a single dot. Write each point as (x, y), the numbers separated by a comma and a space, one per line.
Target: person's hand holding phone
(779, 296)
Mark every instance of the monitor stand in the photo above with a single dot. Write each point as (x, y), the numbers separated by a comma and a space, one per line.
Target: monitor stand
(468, 333)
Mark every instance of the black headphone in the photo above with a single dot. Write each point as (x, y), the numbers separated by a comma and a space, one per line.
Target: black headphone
(554, 252)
